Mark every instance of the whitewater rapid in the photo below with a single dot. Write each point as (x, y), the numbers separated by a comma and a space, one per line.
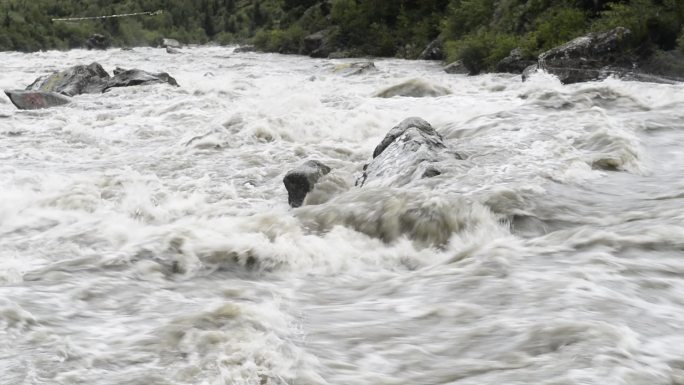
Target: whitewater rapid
(145, 235)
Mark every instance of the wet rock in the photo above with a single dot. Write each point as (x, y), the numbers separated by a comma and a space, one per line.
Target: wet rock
(135, 77)
(434, 51)
(515, 62)
(80, 79)
(318, 44)
(358, 68)
(34, 100)
(98, 41)
(595, 56)
(414, 88)
(529, 70)
(172, 51)
(410, 151)
(456, 67)
(170, 43)
(302, 179)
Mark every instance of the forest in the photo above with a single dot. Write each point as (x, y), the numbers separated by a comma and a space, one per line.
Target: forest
(479, 32)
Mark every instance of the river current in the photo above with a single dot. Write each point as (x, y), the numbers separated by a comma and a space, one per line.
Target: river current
(145, 235)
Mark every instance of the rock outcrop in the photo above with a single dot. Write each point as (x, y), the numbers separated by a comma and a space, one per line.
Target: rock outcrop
(515, 62)
(34, 100)
(412, 150)
(434, 51)
(302, 179)
(94, 79)
(414, 88)
(126, 78)
(318, 45)
(80, 79)
(456, 68)
(98, 41)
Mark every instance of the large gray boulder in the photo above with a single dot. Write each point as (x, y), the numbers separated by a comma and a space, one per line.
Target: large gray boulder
(34, 100)
(456, 68)
(80, 79)
(595, 56)
(434, 51)
(410, 151)
(318, 44)
(126, 78)
(414, 88)
(300, 181)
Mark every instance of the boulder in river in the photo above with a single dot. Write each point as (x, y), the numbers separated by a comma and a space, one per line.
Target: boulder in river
(411, 150)
(318, 44)
(126, 78)
(358, 68)
(80, 79)
(594, 56)
(302, 179)
(170, 43)
(434, 51)
(34, 100)
(456, 68)
(515, 62)
(245, 48)
(98, 41)
(414, 88)
(173, 51)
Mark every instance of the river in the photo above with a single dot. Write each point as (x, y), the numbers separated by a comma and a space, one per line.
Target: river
(146, 239)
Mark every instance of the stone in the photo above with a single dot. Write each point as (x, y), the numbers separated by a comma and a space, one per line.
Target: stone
(317, 45)
(126, 78)
(595, 56)
(529, 70)
(358, 68)
(170, 43)
(414, 88)
(456, 68)
(515, 62)
(34, 100)
(300, 181)
(80, 79)
(98, 41)
(172, 51)
(412, 150)
(434, 51)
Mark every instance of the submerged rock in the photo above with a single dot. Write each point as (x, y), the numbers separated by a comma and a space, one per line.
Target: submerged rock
(172, 51)
(126, 78)
(302, 179)
(245, 48)
(409, 151)
(434, 51)
(414, 88)
(358, 68)
(80, 79)
(34, 100)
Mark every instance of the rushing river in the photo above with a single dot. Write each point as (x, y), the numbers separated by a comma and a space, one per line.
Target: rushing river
(145, 235)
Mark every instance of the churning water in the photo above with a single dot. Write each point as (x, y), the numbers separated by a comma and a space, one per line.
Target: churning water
(145, 236)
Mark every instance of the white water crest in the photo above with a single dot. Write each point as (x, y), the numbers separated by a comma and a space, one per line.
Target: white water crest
(145, 235)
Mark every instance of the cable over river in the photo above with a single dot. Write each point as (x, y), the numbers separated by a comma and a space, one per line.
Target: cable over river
(146, 236)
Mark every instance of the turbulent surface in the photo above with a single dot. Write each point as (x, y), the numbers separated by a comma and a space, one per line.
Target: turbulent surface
(145, 235)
